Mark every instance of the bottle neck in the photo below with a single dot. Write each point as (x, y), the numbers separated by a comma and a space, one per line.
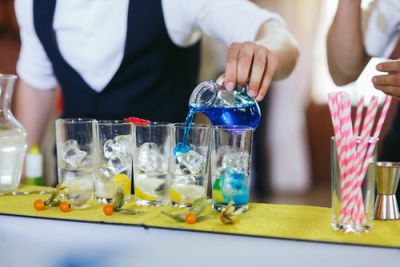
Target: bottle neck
(204, 94)
(7, 83)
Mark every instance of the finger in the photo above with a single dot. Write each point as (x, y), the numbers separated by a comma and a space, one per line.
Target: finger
(231, 66)
(389, 66)
(272, 63)
(388, 79)
(244, 63)
(257, 71)
(389, 90)
(220, 80)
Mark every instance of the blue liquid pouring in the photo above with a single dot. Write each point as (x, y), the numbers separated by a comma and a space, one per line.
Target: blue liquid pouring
(247, 115)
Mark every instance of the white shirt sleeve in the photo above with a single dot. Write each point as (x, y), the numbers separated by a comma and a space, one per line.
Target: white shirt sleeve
(383, 28)
(226, 20)
(33, 65)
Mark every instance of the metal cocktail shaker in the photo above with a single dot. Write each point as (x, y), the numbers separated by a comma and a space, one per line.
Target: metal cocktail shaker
(387, 180)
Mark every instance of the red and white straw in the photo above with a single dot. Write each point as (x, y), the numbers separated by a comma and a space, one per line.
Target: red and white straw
(359, 213)
(354, 153)
(359, 111)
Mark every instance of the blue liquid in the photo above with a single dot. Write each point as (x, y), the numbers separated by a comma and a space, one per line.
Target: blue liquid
(244, 116)
(182, 148)
(247, 115)
(231, 186)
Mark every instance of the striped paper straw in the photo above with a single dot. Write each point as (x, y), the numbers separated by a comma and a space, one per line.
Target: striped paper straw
(334, 109)
(359, 111)
(346, 140)
(359, 211)
(347, 131)
(348, 192)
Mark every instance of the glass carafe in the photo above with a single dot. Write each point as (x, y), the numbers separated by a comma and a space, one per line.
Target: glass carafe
(12, 138)
(224, 107)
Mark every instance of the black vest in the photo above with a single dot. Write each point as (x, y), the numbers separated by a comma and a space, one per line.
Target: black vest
(154, 80)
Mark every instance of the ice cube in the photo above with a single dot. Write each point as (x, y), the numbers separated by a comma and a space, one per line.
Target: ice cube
(184, 180)
(235, 190)
(243, 99)
(235, 175)
(181, 169)
(73, 156)
(117, 164)
(105, 174)
(108, 149)
(236, 160)
(193, 161)
(181, 149)
(148, 147)
(71, 143)
(123, 145)
(150, 158)
(87, 162)
(227, 98)
(77, 182)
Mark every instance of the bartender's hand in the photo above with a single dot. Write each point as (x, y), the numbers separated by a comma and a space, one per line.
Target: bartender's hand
(271, 57)
(253, 63)
(388, 83)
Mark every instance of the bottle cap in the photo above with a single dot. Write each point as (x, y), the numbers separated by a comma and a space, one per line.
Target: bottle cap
(34, 163)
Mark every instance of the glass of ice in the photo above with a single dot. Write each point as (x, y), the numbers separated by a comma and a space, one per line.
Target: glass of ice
(75, 140)
(231, 165)
(190, 164)
(113, 165)
(152, 163)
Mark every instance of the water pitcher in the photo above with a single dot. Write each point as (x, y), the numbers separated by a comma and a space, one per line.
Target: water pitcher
(12, 138)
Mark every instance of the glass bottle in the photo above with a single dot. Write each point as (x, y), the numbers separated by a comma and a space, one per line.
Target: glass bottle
(13, 141)
(224, 107)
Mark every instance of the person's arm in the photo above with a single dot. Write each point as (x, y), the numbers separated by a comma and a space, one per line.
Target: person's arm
(34, 95)
(271, 57)
(32, 109)
(260, 48)
(346, 52)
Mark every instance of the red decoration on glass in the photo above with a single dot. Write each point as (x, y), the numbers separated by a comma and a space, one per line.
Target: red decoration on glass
(137, 121)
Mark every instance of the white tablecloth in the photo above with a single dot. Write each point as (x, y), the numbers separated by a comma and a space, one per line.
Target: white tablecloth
(42, 242)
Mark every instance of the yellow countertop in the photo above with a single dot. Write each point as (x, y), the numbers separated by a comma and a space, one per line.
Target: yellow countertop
(262, 220)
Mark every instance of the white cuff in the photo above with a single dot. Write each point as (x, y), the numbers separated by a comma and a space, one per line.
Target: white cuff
(34, 78)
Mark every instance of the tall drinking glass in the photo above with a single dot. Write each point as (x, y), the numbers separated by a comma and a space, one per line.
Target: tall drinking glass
(190, 164)
(113, 166)
(152, 163)
(353, 206)
(75, 139)
(231, 165)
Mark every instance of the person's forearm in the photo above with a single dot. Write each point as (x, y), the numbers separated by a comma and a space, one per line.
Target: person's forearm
(275, 37)
(32, 109)
(346, 52)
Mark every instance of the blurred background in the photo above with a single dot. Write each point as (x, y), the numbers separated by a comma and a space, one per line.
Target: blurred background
(291, 151)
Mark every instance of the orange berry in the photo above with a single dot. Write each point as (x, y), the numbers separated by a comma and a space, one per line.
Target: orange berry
(190, 218)
(222, 217)
(39, 204)
(108, 209)
(65, 206)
